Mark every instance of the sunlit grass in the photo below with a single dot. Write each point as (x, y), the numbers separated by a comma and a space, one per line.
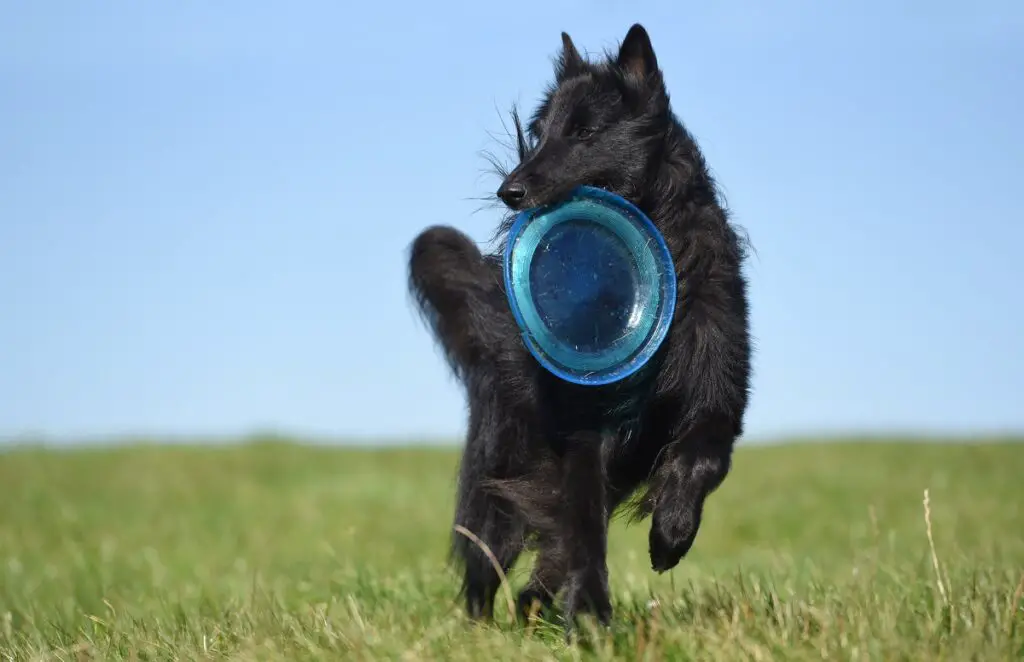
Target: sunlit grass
(278, 551)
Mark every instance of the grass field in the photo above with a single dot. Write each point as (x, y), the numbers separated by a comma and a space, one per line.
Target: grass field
(284, 552)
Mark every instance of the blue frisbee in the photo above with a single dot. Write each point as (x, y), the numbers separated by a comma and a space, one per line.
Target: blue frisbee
(591, 284)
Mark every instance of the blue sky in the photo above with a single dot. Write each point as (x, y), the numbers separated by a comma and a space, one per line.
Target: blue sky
(205, 207)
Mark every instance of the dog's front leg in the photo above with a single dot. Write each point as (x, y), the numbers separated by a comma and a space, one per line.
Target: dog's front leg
(691, 468)
(585, 529)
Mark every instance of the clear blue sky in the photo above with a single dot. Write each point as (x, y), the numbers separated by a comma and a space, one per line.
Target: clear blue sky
(205, 206)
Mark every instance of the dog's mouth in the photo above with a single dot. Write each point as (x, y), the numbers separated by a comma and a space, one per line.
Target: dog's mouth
(562, 193)
(605, 185)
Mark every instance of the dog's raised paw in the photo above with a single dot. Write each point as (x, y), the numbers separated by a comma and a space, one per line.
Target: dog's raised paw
(672, 535)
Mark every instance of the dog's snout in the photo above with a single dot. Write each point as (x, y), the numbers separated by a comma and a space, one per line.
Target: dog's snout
(512, 193)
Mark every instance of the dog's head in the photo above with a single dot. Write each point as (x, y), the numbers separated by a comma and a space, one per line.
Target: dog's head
(600, 124)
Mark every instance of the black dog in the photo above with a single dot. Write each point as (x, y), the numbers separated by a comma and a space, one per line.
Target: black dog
(540, 466)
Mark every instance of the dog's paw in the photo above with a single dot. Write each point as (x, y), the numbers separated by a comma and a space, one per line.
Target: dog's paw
(586, 593)
(479, 607)
(532, 601)
(673, 531)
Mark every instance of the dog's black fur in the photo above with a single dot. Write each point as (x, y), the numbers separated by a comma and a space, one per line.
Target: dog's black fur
(540, 466)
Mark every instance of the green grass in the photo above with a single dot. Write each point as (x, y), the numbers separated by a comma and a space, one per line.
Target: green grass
(284, 552)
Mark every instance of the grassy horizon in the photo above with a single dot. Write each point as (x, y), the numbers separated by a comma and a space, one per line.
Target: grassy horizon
(277, 550)
(26, 441)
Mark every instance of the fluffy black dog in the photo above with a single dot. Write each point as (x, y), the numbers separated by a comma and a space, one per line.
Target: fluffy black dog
(546, 463)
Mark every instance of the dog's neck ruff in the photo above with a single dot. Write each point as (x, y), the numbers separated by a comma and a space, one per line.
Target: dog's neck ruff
(592, 286)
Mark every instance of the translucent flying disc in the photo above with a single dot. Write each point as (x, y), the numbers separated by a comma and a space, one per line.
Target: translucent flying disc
(592, 286)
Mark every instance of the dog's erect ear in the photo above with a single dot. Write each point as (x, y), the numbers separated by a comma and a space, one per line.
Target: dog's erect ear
(636, 55)
(570, 63)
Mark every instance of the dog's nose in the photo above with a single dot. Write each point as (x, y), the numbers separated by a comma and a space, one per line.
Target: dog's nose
(512, 193)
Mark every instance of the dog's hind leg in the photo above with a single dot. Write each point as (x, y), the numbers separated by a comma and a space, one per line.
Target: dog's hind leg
(502, 532)
(491, 454)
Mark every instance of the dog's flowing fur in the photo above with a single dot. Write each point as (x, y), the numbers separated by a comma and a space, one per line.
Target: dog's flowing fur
(540, 466)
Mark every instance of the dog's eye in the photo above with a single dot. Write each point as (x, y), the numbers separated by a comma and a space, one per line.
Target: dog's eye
(583, 132)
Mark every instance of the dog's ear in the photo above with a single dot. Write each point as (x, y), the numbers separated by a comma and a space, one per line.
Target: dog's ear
(569, 63)
(636, 54)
